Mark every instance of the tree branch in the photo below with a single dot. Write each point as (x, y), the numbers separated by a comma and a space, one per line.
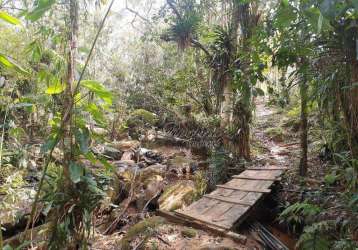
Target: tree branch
(136, 13)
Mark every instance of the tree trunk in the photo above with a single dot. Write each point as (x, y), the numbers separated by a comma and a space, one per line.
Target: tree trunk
(304, 128)
(349, 100)
(67, 105)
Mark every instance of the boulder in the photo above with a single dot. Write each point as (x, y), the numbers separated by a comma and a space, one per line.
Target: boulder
(182, 165)
(177, 195)
(126, 145)
(108, 151)
(128, 155)
(112, 153)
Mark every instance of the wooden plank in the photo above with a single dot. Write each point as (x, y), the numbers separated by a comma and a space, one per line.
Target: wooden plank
(211, 213)
(219, 198)
(202, 226)
(203, 220)
(249, 184)
(257, 178)
(267, 168)
(261, 174)
(245, 190)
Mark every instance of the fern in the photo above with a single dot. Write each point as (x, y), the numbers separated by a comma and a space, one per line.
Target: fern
(316, 236)
(299, 214)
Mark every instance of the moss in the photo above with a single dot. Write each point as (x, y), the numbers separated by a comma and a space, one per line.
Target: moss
(145, 228)
(189, 232)
(275, 133)
(177, 195)
(141, 115)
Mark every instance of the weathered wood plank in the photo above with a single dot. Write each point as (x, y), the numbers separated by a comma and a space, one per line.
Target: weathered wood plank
(202, 225)
(267, 168)
(257, 178)
(247, 184)
(245, 190)
(233, 201)
(260, 174)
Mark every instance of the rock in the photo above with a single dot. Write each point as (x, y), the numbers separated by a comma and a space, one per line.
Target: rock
(152, 157)
(158, 167)
(112, 153)
(182, 165)
(142, 164)
(128, 155)
(16, 204)
(126, 145)
(177, 195)
(124, 164)
(99, 131)
(108, 151)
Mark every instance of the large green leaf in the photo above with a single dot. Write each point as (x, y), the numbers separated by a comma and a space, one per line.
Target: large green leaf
(76, 171)
(40, 8)
(96, 113)
(6, 62)
(10, 19)
(50, 143)
(99, 90)
(56, 87)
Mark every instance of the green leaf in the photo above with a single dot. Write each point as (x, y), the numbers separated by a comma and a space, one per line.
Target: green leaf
(7, 247)
(96, 113)
(6, 62)
(40, 9)
(91, 157)
(50, 143)
(76, 171)
(56, 87)
(83, 139)
(320, 22)
(10, 19)
(99, 90)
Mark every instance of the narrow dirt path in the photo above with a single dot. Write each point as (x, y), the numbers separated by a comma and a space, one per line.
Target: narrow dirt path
(278, 148)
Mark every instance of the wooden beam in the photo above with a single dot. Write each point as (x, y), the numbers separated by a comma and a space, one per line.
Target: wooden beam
(267, 168)
(177, 218)
(220, 198)
(256, 178)
(266, 191)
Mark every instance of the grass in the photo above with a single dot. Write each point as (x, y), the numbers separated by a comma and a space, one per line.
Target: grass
(188, 232)
(276, 134)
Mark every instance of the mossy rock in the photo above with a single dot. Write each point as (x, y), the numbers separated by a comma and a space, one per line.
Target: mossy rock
(276, 134)
(145, 228)
(143, 116)
(189, 232)
(177, 195)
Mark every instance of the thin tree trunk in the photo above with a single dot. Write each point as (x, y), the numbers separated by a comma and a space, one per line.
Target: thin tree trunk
(67, 104)
(304, 128)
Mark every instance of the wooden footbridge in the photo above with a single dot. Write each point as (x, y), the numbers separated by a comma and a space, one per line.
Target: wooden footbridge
(229, 204)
